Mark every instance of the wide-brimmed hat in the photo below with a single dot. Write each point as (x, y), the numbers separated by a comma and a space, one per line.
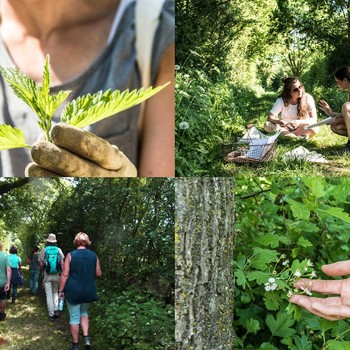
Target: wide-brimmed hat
(51, 238)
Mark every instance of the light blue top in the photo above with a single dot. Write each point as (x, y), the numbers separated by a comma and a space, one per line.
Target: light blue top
(15, 260)
(116, 68)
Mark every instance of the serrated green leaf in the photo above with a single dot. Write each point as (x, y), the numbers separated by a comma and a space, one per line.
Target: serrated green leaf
(316, 185)
(336, 212)
(280, 326)
(295, 310)
(241, 279)
(252, 326)
(262, 257)
(337, 345)
(259, 276)
(272, 240)
(11, 137)
(304, 242)
(89, 109)
(267, 346)
(272, 301)
(302, 343)
(299, 209)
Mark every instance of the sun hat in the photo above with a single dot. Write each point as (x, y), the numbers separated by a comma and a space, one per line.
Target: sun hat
(51, 238)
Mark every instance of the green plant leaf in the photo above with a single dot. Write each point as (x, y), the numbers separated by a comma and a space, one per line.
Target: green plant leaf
(259, 276)
(299, 209)
(252, 326)
(89, 109)
(280, 326)
(262, 257)
(272, 301)
(316, 185)
(241, 279)
(336, 212)
(272, 240)
(11, 137)
(304, 242)
(337, 345)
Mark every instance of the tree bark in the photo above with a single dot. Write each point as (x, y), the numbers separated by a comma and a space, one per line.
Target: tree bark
(204, 241)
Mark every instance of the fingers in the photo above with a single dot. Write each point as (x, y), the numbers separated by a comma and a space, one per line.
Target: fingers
(339, 268)
(320, 286)
(58, 160)
(88, 146)
(33, 170)
(312, 305)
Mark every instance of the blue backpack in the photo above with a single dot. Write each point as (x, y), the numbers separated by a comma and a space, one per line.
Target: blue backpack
(52, 260)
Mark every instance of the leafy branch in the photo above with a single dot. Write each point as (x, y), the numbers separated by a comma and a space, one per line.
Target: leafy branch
(80, 112)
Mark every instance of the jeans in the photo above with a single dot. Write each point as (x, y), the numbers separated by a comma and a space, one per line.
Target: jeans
(33, 283)
(51, 284)
(14, 290)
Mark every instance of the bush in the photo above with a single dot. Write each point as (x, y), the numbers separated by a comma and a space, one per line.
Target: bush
(303, 221)
(133, 321)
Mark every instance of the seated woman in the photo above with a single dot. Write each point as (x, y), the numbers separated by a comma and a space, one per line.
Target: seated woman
(341, 124)
(297, 109)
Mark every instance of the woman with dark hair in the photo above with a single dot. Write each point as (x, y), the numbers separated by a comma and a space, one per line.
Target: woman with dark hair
(16, 277)
(34, 270)
(297, 109)
(341, 124)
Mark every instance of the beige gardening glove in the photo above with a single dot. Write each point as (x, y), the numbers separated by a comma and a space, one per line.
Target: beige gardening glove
(78, 153)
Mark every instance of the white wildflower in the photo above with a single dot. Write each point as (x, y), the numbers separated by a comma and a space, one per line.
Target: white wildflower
(271, 284)
(285, 262)
(313, 274)
(177, 67)
(184, 125)
(290, 294)
(309, 263)
(307, 291)
(297, 273)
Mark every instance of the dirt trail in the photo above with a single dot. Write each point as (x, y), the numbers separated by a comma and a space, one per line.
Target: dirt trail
(27, 326)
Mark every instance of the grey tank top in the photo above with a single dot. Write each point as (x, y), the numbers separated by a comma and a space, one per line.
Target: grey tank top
(116, 68)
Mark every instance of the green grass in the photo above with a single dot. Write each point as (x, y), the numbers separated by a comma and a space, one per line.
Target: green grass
(27, 326)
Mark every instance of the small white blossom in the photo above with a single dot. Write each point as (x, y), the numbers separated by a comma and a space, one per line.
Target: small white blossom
(313, 274)
(289, 294)
(184, 125)
(307, 291)
(285, 262)
(271, 284)
(177, 67)
(309, 263)
(297, 273)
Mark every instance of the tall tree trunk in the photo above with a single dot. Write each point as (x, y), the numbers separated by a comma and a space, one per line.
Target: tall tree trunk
(204, 241)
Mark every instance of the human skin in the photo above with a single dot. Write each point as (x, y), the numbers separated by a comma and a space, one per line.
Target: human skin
(332, 308)
(31, 29)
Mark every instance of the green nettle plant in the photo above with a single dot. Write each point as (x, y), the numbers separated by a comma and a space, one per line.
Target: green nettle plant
(80, 112)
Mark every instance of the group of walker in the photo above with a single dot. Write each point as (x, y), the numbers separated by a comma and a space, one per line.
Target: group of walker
(71, 278)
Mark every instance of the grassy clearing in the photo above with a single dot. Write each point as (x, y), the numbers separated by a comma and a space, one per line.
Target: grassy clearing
(325, 143)
(27, 326)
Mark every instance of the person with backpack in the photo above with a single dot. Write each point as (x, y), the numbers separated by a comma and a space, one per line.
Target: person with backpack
(16, 276)
(34, 270)
(51, 260)
(78, 286)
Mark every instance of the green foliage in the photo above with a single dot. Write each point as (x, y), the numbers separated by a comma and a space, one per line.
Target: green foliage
(89, 109)
(133, 321)
(11, 137)
(81, 112)
(279, 219)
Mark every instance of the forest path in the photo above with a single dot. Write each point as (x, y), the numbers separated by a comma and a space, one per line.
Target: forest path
(27, 326)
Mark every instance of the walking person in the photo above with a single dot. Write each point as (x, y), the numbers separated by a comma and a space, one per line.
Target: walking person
(51, 261)
(5, 280)
(78, 286)
(34, 270)
(16, 276)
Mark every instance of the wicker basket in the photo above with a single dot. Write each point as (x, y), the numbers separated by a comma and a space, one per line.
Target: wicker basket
(246, 153)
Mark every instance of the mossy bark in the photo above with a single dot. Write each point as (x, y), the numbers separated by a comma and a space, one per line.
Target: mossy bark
(204, 241)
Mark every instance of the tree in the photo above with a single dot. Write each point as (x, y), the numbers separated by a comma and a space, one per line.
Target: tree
(203, 276)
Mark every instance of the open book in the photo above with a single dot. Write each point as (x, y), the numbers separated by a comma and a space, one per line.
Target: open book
(326, 121)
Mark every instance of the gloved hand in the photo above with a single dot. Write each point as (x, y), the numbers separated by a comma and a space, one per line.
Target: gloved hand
(78, 153)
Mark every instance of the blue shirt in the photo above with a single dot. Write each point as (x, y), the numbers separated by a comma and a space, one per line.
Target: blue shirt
(15, 260)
